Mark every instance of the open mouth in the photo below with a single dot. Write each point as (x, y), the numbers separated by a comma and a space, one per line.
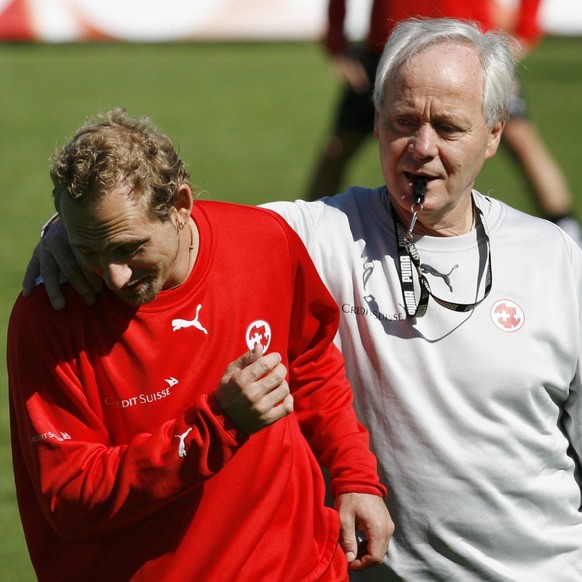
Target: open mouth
(414, 177)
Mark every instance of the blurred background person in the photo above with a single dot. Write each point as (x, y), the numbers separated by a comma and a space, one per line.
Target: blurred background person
(355, 64)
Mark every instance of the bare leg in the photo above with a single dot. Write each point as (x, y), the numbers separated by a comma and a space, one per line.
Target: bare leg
(545, 177)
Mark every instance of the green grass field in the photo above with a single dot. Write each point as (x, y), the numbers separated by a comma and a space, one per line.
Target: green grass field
(247, 118)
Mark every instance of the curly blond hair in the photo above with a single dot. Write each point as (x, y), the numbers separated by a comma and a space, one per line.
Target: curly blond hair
(112, 150)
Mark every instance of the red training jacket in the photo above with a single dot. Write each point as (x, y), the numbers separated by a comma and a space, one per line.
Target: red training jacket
(126, 468)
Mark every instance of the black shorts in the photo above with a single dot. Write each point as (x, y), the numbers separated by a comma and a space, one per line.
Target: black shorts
(355, 111)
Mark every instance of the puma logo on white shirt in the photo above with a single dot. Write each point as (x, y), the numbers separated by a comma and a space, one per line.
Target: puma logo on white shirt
(182, 323)
(446, 277)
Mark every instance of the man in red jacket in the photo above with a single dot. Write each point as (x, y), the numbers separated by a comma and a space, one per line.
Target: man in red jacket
(175, 430)
(354, 119)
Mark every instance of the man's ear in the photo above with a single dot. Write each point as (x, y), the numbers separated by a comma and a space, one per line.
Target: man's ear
(184, 202)
(494, 139)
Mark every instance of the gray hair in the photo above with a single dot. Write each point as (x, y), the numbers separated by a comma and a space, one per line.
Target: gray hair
(415, 35)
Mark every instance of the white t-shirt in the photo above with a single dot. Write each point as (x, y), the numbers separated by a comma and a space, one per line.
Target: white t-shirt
(475, 417)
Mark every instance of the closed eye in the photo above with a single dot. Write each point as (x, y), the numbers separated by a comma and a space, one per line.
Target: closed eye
(129, 250)
(448, 130)
(121, 253)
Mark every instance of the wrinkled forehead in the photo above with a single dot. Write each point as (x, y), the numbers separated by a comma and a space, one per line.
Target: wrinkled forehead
(116, 223)
(442, 70)
(104, 208)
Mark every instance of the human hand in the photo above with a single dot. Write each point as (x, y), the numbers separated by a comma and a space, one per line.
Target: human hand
(253, 391)
(53, 260)
(352, 72)
(368, 514)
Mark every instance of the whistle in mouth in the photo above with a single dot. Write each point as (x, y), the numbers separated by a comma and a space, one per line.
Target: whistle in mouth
(419, 189)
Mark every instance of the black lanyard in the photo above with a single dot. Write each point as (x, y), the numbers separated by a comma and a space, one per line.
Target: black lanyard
(409, 257)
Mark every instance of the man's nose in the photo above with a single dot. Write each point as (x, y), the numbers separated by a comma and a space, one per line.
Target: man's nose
(116, 275)
(423, 144)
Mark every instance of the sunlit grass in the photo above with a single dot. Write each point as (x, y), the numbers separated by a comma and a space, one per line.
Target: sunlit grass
(247, 118)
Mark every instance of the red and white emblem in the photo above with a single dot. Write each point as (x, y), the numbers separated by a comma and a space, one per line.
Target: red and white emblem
(259, 332)
(507, 315)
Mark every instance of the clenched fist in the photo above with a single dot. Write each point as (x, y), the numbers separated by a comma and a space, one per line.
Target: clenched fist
(253, 391)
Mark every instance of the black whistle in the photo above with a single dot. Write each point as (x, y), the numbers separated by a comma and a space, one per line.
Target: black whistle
(419, 189)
